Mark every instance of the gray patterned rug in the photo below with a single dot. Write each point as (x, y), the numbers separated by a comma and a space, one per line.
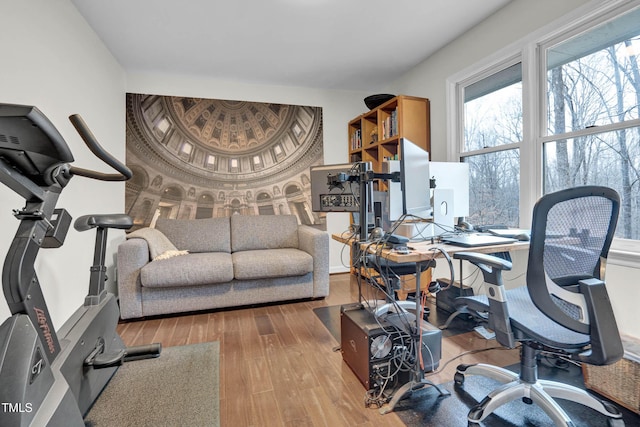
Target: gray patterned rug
(179, 388)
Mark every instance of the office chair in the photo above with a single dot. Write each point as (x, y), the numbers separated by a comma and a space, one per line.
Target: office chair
(564, 308)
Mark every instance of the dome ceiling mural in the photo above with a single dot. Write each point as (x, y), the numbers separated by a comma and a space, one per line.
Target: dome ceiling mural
(232, 126)
(201, 158)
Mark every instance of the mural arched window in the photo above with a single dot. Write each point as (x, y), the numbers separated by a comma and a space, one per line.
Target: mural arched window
(143, 214)
(236, 207)
(205, 207)
(265, 204)
(298, 204)
(170, 202)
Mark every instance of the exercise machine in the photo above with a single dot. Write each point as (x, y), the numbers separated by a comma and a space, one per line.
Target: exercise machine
(48, 377)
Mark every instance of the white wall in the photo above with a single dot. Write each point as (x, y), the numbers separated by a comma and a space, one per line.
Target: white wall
(624, 293)
(515, 21)
(53, 60)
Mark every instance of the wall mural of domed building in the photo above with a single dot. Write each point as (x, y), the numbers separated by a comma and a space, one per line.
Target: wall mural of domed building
(202, 158)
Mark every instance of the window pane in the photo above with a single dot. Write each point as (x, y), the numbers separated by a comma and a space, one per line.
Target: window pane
(494, 188)
(611, 159)
(493, 110)
(593, 78)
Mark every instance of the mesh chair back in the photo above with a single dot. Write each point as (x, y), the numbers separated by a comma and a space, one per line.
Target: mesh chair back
(571, 235)
(575, 237)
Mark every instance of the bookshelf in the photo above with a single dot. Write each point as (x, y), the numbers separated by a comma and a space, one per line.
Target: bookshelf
(375, 135)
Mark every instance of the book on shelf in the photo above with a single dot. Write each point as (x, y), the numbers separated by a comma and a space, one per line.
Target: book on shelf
(390, 125)
(356, 140)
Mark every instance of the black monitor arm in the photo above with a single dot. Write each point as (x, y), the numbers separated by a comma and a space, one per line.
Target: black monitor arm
(371, 176)
(366, 178)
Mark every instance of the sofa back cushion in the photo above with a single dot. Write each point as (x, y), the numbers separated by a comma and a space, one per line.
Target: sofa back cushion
(263, 232)
(197, 235)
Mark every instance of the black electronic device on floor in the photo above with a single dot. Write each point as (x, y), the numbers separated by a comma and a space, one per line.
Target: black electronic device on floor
(377, 350)
(445, 299)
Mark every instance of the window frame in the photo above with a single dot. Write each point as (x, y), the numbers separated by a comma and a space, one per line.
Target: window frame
(531, 52)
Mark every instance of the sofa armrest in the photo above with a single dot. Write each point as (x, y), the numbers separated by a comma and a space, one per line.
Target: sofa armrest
(316, 243)
(133, 254)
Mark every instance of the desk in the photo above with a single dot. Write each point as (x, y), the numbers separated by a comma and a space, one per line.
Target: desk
(421, 254)
(424, 251)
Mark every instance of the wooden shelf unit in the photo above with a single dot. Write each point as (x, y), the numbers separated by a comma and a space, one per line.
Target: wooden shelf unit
(375, 135)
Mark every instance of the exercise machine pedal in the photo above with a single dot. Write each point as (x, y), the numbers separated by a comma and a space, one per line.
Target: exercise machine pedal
(99, 359)
(140, 352)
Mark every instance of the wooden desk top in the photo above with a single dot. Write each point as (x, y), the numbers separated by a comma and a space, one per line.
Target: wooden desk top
(424, 251)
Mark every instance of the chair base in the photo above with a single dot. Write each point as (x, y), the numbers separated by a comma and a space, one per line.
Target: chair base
(541, 392)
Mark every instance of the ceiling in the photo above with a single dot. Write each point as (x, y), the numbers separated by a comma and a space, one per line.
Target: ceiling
(328, 44)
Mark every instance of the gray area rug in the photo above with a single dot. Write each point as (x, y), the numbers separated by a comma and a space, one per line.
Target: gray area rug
(179, 388)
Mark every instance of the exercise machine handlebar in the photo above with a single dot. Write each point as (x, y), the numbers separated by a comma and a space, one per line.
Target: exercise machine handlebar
(124, 173)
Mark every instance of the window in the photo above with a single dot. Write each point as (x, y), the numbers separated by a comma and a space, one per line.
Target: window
(234, 165)
(554, 111)
(278, 152)
(163, 126)
(210, 162)
(593, 106)
(185, 151)
(491, 146)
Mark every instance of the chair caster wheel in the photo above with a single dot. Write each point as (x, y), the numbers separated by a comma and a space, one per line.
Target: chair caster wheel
(475, 414)
(458, 378)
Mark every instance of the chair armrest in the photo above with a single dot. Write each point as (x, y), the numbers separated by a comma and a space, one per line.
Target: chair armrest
(133, 254)
(492, 267)
(484, 259)
(606, 344)
(316, 243)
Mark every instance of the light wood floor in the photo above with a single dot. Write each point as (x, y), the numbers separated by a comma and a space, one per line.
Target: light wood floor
(278, 367)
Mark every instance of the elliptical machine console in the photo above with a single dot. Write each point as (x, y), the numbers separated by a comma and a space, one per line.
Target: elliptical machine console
(50, 377)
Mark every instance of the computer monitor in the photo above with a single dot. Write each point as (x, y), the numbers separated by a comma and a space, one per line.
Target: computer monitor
(414, 179)
(453, 176)
(329, 194)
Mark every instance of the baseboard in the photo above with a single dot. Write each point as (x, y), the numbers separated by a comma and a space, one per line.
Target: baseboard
(338, 269)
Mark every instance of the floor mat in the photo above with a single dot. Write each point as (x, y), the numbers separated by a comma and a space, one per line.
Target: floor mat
(426, 407)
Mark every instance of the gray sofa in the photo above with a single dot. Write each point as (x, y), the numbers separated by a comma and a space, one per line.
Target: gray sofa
(231, 262)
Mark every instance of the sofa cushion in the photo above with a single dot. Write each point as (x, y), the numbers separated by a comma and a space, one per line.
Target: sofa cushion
(268, 263)
(263, 232)
(198, 235)
(188, 270)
